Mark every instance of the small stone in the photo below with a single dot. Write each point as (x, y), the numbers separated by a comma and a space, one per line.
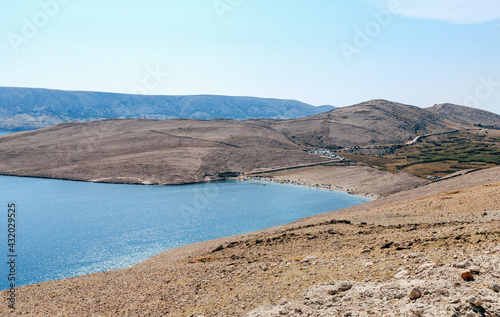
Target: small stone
(219, 248)
(308, 259)
(417, 313)
(475, 269)
(475, 301)
(415, 293)
(461, 265)
(495, 287)
(369, 264)
(425, 266)
(401, 274)
(332, 292)
(387, 245)
(467, 276)
(345, 286)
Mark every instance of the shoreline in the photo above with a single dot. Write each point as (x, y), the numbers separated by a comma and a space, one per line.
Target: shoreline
(305, 183)
(100, 181)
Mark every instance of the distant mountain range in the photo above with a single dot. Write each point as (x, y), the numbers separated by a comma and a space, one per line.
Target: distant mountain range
(32, 108)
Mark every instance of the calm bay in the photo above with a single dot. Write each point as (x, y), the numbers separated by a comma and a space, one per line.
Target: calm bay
(66, 228)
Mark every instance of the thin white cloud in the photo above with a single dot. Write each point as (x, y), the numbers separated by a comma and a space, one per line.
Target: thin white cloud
(452, 11)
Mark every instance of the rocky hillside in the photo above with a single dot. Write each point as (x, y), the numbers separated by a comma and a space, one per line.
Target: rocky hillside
(186, 150)
(148, 151)
(465, 115)
(30, 108)
(373, 122)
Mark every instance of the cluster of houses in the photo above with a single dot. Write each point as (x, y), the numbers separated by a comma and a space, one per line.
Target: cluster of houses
(326, 152)
(433, 177)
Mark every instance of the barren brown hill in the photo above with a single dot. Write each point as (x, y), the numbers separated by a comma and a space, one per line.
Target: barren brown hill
(466, 115)
(187, 150)
(148, 151)
(454, 183)
(327, 266)
(360, 179)
(376, 122)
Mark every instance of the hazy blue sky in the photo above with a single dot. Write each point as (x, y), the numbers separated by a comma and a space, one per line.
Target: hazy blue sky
(317, 51)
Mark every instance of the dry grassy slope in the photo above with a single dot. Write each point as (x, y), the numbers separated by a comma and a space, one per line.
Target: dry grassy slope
(359, 179)
(459, 181)
(184, 151)
(465, 115)
(374, 122)
(147, 151)
(267, 267)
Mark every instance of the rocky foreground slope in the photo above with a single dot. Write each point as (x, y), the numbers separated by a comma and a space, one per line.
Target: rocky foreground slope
(430, 251)
(431, 289)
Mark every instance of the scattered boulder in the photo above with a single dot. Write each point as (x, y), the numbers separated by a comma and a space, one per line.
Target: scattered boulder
(219, 248)
(415, 294)
(345, 286)
(475, 301)
(475, 269)
(425, 266)
(308, 259)
(340, 287)
(401, 274)
(387, 245)
(495, 287)
(366, 250)
(461, 265)
(437, 290)
(467, 276)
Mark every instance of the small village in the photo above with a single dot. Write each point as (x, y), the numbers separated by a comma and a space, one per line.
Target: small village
(326, 153)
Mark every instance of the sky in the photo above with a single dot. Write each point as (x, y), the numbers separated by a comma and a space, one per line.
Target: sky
(322, 52)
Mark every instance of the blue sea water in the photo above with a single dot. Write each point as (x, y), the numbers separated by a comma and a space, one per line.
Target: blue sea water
(66, 229)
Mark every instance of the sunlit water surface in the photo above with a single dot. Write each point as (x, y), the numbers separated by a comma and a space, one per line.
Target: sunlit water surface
(66, 229)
